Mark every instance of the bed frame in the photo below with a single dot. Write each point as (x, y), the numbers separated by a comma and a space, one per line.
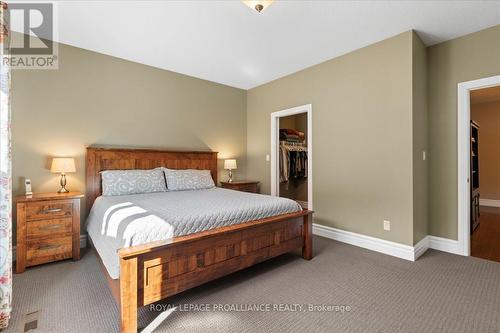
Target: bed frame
(157, 270)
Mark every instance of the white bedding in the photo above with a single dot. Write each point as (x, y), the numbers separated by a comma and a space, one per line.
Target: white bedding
(127, 220)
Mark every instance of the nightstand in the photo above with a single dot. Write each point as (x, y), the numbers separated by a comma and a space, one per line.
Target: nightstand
(48, 228)
(242, 185)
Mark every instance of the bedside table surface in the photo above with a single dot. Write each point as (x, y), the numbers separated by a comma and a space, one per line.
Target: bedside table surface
(242, 185)
(48, 196)
(240, 182)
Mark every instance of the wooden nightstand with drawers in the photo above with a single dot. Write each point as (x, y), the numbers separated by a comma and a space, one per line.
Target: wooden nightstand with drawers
(242, 185)
(48, 228)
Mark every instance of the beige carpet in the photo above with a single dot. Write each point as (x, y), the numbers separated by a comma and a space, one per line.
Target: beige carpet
(438, 293)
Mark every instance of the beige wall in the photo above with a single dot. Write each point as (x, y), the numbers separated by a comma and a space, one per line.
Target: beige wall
(420, 166)
(362, 136)
(96, 99)
(467, 58)
(487, 115)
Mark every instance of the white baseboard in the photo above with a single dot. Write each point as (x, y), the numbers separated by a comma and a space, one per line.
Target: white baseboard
(489, 202)
(421, 247)
(83, 243)
(444, 244)
(394, 249)
(371, 243)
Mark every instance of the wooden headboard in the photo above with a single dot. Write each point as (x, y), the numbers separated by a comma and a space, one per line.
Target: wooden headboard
(100, 159)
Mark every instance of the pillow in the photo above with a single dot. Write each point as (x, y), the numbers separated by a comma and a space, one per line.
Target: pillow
(122, 182)
(180, 180)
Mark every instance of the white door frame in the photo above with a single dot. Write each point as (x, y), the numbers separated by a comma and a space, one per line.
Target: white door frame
(463, 141)
(274, 151)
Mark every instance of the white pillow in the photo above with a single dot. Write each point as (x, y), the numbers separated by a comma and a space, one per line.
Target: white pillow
(190, 179)
(122, 182)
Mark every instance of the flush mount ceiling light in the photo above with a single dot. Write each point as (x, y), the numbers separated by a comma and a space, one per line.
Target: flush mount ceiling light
(257, 5)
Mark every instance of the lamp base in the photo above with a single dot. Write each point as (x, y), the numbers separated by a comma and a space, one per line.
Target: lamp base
(63, 184)
(230, 180)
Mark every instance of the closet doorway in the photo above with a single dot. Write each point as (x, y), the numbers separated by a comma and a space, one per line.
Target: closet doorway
(291, 154)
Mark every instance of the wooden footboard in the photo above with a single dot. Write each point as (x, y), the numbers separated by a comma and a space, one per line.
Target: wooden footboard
(154, 271)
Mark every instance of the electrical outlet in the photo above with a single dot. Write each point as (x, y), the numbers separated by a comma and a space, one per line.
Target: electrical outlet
(267, 158)
(387, 225)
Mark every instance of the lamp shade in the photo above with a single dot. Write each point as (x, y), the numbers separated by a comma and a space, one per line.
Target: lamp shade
(258, 5)
(63, 164)
(230, 164)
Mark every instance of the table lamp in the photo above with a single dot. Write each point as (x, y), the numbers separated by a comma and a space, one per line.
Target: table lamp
(63, 165)
(230, 165)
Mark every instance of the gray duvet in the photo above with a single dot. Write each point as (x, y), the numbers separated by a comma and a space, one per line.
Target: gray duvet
(123, 221)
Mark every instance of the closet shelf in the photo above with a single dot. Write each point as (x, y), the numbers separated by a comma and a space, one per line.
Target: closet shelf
(474, 176)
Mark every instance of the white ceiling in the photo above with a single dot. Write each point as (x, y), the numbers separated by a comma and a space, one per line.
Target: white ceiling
(227, 42)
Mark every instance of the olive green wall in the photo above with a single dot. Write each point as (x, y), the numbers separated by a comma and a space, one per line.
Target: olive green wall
(467, 58)
(362, 136)
(419, 114)
(95, 99)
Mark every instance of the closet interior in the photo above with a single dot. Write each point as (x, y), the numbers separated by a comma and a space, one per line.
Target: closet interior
(293, 158)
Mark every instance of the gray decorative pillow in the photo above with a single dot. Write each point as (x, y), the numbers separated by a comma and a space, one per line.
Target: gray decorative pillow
(122, 182)
(190, 179)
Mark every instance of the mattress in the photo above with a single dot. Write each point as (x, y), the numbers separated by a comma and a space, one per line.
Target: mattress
(122, 221)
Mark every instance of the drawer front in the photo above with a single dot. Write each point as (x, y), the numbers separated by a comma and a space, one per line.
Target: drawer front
(247, 188)
(44, 228)
(46, 250)
(48, 209)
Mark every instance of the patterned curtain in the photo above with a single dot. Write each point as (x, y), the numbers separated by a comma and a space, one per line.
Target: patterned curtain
(5, 176)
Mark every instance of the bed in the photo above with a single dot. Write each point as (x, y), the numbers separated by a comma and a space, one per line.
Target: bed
(156, 245)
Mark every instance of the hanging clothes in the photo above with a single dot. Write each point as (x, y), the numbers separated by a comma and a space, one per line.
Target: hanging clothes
(292, 162)
(283, 157)
(292, 155)
(297, 164)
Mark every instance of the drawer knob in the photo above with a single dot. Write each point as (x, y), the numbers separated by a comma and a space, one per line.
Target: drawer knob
(49, 247)
(51, 210)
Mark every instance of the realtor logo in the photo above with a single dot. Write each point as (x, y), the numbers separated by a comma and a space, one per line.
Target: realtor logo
(32, 27)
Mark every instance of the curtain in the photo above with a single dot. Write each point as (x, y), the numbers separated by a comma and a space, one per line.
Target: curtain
(5, 176)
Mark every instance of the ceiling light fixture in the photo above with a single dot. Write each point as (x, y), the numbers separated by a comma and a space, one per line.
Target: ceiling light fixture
(259, 6)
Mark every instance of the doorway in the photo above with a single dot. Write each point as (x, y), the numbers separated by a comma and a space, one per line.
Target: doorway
(485, 178)
(291, 154)
(478, 234)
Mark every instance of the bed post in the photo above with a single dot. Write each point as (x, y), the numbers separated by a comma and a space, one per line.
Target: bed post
(307, 251)
(128, 295)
